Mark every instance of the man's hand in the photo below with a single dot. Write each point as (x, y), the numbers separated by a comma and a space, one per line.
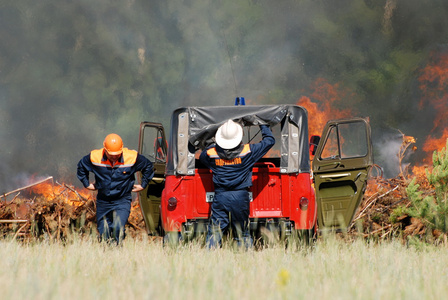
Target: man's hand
(91, 187)
(137, 188)
(249, 120)
(252, 120)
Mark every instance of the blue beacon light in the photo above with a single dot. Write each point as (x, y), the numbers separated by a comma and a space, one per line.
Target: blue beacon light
(239, 101)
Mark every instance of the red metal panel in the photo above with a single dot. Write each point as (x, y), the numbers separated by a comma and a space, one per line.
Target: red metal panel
(275, 195)
(300, 186)
(203, 184)
(172, 219)
(266, 193)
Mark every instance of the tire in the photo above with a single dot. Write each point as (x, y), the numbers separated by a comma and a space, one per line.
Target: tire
(172, 239)
(301, 238)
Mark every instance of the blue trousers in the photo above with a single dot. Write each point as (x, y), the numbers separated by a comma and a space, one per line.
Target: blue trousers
(111, 217)
(230, 209)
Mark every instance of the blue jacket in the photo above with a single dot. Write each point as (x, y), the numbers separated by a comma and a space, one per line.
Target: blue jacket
(234, 171)
(114, 182)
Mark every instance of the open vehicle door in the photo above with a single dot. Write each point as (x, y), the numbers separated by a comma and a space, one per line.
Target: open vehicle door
(341, 166)
(152, 144)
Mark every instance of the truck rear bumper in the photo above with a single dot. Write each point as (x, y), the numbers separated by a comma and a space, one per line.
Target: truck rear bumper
(281, 226)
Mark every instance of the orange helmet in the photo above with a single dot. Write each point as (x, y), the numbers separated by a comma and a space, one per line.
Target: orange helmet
(113, 144)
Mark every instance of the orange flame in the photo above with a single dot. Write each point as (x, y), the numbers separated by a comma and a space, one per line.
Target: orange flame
(432, 143)
(434, 86)
(44, 189)
(322, 105)
(419, 171)
(50, 192)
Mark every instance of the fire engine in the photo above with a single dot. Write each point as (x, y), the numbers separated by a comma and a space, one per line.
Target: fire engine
(290, 193)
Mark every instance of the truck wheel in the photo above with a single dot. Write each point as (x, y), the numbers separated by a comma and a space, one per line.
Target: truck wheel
(159, 228)
(301, 238)
(172, 239)
(308, 236)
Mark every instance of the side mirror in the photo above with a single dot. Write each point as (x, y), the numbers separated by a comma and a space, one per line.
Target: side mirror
(314, 141)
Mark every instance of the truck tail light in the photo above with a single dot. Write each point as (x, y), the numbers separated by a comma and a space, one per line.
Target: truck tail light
(304, 203)
(172, 203)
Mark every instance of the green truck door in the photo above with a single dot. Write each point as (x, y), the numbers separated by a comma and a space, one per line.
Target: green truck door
(340, 167)
(152, 144)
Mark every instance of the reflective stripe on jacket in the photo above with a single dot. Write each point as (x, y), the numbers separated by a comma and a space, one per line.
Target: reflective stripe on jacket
(128, 158)
(236, 173)
(114, 182)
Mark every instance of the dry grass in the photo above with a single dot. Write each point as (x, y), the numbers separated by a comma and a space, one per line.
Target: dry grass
(141, 269)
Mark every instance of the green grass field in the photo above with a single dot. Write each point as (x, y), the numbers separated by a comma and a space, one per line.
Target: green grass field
(141, 269)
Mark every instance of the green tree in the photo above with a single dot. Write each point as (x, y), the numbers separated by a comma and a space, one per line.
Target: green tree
(431, 209)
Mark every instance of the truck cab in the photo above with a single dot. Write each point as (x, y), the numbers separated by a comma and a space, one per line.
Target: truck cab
(287, 194)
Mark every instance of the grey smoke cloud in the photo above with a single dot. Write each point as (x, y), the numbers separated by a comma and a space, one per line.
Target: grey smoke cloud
(73, 71)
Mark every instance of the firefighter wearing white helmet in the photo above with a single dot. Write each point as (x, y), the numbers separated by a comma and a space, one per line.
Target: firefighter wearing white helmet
(229, 135)
(231, 163)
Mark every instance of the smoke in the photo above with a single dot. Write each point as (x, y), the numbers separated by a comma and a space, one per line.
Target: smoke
(388, 147)
(73, 71)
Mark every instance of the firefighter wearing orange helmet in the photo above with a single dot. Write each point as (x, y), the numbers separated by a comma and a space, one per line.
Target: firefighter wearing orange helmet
(114, 167)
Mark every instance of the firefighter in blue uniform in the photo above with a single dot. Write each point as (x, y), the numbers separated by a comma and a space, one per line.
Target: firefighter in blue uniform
(114, 168)
(231, 163)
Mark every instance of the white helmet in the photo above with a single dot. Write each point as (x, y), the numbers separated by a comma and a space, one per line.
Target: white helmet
(229, 135)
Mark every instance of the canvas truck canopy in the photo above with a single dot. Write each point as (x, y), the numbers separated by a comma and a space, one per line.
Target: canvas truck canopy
(194, 128)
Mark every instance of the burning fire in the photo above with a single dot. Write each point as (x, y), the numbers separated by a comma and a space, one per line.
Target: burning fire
(322, 105)
(434, 87)
(432, 143)
(44, 189)
(70, 194)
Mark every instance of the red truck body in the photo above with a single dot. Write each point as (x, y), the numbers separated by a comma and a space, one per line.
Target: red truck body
(275, 197)
(283, 195)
